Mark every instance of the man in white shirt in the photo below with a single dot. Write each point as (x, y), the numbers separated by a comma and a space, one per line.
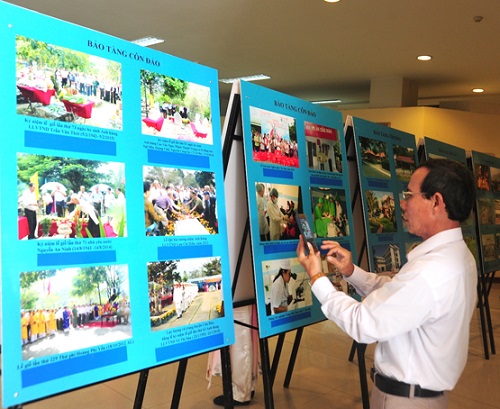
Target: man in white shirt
(30, 204)
(420, 317)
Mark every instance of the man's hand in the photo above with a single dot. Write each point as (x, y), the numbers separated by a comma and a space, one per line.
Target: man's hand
(339, 257)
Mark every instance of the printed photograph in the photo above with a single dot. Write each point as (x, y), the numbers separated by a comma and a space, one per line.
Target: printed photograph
(482, 177)
(386, 259)
(471, 243)
(61, 198)
(175, 109)
(179, 202)
(66, 85)
(381, 212)
(286, 286)
(274, 138)
(73, 308)
(484, 210)
(488, 245)
(375, 163)
(495, 179)
(404, 159)
(184, 292)
(277, 208)
(497, 211)
(329, 210)
(323, 148)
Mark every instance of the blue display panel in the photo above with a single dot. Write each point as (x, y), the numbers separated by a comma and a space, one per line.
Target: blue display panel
(487, 172)
(111, 161)
(295, 158)
(386, 160)
(436, 149)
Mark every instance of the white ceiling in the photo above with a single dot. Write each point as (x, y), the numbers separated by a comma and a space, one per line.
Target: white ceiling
(315, 50)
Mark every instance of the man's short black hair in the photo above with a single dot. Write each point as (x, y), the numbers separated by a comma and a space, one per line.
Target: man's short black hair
(147, 186)
(455, 183)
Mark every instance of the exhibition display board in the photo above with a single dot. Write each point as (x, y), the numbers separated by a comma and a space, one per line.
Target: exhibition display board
(386, 160)
(118, 259)
(295, 162)
(487, 172)
(437, 149)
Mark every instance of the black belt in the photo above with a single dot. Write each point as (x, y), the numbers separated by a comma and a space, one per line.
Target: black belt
(393, 387)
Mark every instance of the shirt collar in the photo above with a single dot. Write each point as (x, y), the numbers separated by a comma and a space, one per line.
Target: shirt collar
(444, 237)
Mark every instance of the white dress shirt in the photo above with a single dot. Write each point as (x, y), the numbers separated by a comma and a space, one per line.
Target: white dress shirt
(420, 318)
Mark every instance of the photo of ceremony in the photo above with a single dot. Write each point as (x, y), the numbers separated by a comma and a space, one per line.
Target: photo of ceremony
(68, 309)
(274, 138)
(60, 84)
(60, 198)
(174, 108)
(179, 202)
(183, 292)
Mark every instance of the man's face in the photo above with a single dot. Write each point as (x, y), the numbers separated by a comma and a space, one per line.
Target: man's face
(417, 208)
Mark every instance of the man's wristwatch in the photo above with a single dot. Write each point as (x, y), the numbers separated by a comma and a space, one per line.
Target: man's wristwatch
(313, 279)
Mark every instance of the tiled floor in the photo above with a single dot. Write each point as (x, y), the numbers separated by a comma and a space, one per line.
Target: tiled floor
(323, 377)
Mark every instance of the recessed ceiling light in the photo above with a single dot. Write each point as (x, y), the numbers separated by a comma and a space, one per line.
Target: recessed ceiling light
(478, 90)
(424, 58)
(147, 41)
(329, 101)
(258, 77)
(332, 1)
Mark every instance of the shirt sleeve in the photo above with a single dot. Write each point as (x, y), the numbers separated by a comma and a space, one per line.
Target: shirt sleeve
(390, 307)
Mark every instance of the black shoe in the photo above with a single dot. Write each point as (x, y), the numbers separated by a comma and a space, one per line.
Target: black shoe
(221, 401)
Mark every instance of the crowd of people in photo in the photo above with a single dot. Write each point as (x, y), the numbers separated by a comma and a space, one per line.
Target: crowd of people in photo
(163, 205)
(180, 295)
(275, 221)
(58, 203)
(37, 324)
(271, 147)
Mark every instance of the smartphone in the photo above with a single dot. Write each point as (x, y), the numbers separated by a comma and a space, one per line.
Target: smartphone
(306, 232)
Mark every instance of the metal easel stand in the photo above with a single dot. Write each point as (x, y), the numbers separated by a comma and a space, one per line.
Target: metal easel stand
(484, 283)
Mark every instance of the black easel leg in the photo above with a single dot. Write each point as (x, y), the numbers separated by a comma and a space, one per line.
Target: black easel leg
(266, 374)
(227, 377)
(487, 285)
(353, 351)
(362, 376)
(277, 355)
(181, 373)
(141, 389)
(480, 305)
(293, 357)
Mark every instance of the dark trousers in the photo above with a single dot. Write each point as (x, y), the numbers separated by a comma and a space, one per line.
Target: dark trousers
(31, 216)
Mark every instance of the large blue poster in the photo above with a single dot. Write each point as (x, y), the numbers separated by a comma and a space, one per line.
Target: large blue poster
(437, 149)
(487, 172)
(113, 230)
(295, 158)
(386, 160)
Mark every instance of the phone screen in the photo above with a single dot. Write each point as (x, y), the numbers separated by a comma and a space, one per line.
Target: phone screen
(306, 232)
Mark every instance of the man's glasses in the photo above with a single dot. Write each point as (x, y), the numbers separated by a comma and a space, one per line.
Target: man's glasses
(407, 195)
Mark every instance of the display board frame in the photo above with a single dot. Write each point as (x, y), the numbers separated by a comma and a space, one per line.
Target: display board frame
(384, 172)
(123, 126)
(292, 170)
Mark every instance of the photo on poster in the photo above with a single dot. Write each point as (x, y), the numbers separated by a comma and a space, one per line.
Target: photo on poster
(482, 177)
(286, 286)
(381, 211)
(484, 210)
(184, 292)
(375, 163)
(404, 159)
(274, 138)
(471, 243)
(179, 202)
(174, 108)
(277, 207)
(62, 197)
(497, 211)
(410, 245)
(488, 246)
(497, 244)
(66, 85)
(329, 210)
(387, 259)
(495, 179)
(68, 309)
(323, 148)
